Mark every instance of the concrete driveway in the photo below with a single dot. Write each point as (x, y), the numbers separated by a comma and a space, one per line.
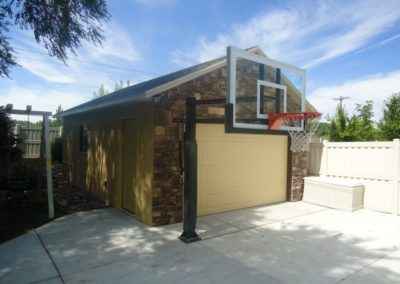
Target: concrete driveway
(283, 243)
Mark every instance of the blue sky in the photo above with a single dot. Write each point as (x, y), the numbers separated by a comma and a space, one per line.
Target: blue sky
(349, 48)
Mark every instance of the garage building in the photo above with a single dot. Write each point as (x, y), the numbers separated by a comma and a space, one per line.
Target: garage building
(127, 148)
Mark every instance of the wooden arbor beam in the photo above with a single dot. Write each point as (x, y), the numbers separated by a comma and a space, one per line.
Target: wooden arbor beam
(49, 177)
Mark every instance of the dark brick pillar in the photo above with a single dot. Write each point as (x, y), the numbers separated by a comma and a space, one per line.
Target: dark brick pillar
(167, 176)
(61, 176)
(299, 171)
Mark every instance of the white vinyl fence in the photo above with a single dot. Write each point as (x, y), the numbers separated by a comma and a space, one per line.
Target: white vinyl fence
(314, 156)
(374, 164)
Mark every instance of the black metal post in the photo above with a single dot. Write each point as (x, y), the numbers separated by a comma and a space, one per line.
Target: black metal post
(228, 117)
(262, 77)
(190, 175)
(278, 91)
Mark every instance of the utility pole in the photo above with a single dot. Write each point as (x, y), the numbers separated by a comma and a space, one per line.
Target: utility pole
(341, 99)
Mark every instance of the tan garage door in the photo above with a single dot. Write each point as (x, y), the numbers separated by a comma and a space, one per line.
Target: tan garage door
(239, 170)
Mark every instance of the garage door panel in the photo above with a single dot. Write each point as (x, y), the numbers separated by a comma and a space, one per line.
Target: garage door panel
(239, 170)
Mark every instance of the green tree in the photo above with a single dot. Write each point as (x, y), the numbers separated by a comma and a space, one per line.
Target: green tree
(338, 125)
(9, 152)
(58, 25)
(102, 91)
(389, 126)
(362, 126)
(56, 122)
(323, 129)
(359, 127)
(120, 85)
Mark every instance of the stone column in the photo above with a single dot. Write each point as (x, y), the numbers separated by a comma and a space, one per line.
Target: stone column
(298, 172)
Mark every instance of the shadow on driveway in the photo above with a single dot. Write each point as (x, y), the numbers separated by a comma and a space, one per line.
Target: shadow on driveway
(284, 243)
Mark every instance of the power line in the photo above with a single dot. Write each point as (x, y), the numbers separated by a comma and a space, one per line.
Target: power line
(341, 99)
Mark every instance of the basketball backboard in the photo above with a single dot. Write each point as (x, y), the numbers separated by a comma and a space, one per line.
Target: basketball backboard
(258, 85)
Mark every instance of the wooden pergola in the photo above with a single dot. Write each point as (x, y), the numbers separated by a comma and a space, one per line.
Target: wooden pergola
(45, 115)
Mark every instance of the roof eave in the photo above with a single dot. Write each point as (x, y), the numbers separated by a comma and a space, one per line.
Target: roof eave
(150, 93)
(159, 89)
(103, 105)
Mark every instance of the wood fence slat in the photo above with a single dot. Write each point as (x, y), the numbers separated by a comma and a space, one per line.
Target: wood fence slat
(32, 137)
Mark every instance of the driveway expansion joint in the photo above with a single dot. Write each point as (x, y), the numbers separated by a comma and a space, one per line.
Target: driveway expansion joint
(49, 255)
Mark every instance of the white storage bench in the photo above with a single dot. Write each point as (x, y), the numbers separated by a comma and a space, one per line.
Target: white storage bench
(335, 193)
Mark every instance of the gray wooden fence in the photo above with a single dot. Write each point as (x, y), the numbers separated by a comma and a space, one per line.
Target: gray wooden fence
(32, 139)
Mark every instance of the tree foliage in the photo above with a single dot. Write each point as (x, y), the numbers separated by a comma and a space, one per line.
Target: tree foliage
(9, 152)
(357, 127)
(7, 57)
(59, 25)
(338, 125)
(390, 124)
(323, 129)
(102, 91)
(56, 122)
(362, 123)
(120, 85)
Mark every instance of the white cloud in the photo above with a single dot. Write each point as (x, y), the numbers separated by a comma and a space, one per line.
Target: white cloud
(95, 64)
(376, 87)
(117, 44)
(390, 39)
(43, 99)
(74, 83)
(305, 33)
(45, 68)
(380, 43)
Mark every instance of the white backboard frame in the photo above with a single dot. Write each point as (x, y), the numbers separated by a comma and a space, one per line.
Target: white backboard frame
(233, 54)
(270, 85)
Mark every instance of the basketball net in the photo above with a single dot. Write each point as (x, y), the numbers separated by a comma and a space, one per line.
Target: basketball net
(301, 127)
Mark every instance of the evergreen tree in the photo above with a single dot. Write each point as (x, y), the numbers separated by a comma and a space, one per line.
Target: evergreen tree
(102, 91)
(56, 122)
(118, 86)
(323, 130)
(359, 127)
(338, 125)
(364, 128)
(389, 126)
(9, 152)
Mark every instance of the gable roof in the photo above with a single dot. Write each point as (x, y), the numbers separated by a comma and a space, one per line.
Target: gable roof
(145, 90)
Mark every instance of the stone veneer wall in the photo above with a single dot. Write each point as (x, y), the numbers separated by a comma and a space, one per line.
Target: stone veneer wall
(61, 176)
(168, 144)
(168, 141)
(298, 172)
